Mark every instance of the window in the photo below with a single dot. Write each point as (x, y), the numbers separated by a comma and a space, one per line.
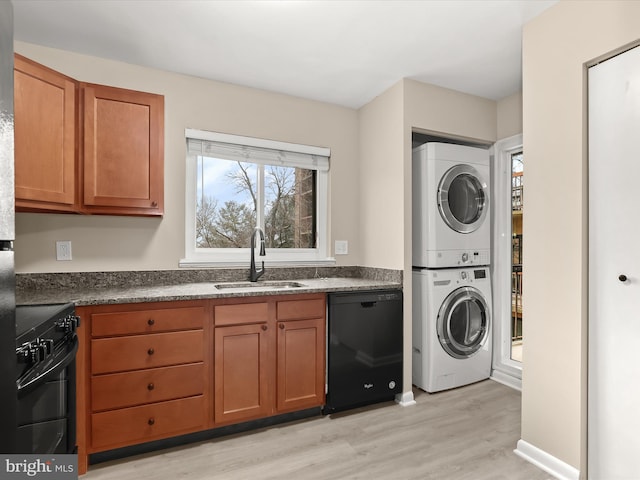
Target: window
(236, 184)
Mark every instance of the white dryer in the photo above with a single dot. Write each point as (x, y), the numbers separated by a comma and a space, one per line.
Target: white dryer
(451, 220)
(451, 327)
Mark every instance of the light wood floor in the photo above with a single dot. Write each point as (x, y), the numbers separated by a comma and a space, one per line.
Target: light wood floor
(464, 434)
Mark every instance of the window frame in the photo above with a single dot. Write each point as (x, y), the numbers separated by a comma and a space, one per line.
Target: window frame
(505, 369)
(239, 257)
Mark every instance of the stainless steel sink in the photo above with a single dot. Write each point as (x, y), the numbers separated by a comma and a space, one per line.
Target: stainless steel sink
(273, 285)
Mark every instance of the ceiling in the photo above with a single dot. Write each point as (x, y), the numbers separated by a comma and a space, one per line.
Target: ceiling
(342, 52)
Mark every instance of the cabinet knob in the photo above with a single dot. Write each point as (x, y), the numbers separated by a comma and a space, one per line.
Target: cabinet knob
(151, 386)
(622, 278)
(151, 351)
(151, 421)
(281, 326)
(264, 327)
(151, 321)
(154, 204)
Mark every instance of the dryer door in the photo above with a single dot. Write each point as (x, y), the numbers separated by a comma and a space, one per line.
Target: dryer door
(463, 322)
(462, 198)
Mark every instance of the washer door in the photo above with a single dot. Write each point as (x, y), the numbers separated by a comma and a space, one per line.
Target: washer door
(462, 198)
(463, 322)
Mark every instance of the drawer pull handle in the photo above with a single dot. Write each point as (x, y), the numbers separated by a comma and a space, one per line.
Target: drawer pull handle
(151, 386)
(151, 421)
(151, 321)
(264, 327)
(151, 351)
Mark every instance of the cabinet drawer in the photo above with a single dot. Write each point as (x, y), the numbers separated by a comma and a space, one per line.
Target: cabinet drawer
(118, 390)
(299, 309)
(147, 321)
(147, 422)
(146, 351)
(240, 313)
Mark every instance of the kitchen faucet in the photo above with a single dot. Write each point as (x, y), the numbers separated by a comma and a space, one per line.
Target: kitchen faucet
(254, 274)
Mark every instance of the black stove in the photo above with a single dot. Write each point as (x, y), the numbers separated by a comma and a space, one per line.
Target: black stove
(33, 321)
(43, 333)
(46, 346)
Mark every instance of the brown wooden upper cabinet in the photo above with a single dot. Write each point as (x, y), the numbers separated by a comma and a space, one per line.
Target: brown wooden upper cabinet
(123, 153)
(45, 138)
(86, 148)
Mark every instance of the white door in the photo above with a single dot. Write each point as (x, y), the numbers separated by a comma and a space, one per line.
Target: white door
(614, 268)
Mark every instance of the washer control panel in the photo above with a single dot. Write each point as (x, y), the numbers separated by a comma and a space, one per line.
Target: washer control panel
(479, 274)
(469, 275)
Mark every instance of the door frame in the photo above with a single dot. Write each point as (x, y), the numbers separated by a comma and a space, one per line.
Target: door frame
(505, 370)
(597, 345)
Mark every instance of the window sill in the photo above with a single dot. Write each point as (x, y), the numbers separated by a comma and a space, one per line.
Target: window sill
(201, 263)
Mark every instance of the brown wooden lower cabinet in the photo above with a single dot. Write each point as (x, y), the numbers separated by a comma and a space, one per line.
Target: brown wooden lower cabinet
(242, 373)
(150, 371)
(300, 366)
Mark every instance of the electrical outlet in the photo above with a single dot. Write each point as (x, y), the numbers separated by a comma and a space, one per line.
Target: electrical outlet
(342, 247)
(63, 250)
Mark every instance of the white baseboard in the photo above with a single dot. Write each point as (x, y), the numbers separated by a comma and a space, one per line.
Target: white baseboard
(506, 379)
(405, 399)
(546, 462)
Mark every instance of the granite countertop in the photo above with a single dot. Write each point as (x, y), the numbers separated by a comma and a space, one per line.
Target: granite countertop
(82, 295)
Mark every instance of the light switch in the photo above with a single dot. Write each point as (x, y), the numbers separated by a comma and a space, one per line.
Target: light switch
(342, 247)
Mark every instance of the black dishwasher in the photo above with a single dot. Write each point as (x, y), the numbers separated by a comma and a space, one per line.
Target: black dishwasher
(364, 348)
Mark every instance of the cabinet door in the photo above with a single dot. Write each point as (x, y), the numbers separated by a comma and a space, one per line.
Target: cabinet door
(300, 364)
(123, 151)
(241, 373)
(45, 138)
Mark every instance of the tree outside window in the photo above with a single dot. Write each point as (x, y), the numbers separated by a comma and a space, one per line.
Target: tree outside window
(229, 198)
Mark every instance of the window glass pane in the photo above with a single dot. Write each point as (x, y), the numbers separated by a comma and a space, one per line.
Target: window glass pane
(226, 203)
(517, 210)
(228, 198)
(289, 213)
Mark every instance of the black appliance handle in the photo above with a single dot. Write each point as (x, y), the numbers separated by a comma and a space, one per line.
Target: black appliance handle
(40, 373)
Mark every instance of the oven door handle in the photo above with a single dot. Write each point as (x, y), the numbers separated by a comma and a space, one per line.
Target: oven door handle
(40, 373)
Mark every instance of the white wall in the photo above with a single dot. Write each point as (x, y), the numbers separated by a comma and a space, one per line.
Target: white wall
(556, 46)
(381, 177)
(509, 116)
(438, 110)
(102, 243)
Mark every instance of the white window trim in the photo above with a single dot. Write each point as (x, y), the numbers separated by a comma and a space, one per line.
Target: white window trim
(239, 257)
(505, 369)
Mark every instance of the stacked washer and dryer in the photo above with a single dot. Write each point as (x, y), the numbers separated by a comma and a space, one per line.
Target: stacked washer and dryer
(451, 257)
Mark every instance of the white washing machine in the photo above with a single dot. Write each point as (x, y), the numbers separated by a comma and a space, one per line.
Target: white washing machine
(451, 327)
(451, 220)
